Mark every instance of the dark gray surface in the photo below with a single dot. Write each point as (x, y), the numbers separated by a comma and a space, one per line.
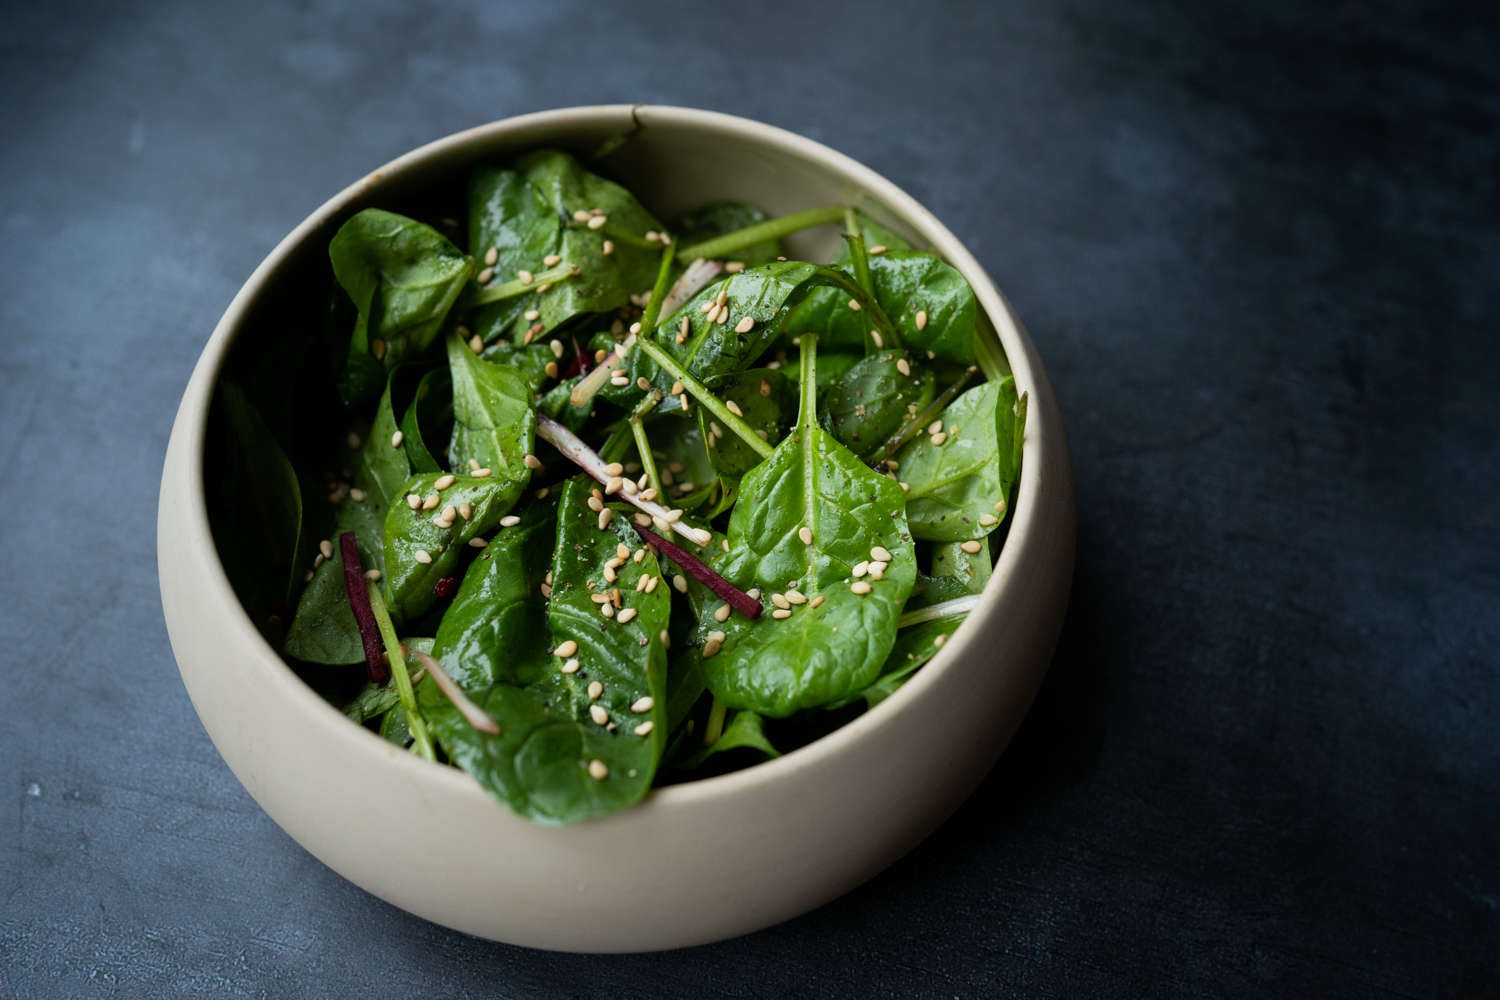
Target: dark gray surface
(1257, 247)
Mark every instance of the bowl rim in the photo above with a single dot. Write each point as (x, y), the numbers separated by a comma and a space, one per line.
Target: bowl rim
(912, 214)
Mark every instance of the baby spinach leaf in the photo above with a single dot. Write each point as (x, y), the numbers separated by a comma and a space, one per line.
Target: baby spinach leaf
(557, 405)
(412, 535)
(403, 277)
(324, 629)
(504, 215)
(427, 418)
(494, 425)
(971, 569)
(819, 654)
(768, 401)
(912, 287)
(954, 486)
(914, 647)
(720, 218)
(530, 360)
(746, 729)
(686, 461)
(873, 399)
(539, 764)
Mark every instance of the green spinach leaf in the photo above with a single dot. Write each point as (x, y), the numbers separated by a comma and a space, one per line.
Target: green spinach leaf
(956, 484)
(494, 424)
(403, 277)
(768, 402)
(746, 729)
(874, 399)
(426, 421)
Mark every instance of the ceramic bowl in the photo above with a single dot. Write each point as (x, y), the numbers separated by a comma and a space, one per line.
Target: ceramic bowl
(695, 862)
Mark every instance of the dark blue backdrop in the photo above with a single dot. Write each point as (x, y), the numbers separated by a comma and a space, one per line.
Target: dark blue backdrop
(1257, 246)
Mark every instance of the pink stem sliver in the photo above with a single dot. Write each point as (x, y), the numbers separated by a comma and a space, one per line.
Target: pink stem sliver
(359, 602)
(737, 599)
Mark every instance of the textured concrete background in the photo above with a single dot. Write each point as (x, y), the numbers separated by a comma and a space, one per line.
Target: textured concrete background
(1257, 245)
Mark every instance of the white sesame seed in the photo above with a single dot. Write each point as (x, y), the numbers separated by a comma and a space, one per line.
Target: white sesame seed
(581, 215)
(444, 482)
(722, 613)
(319, 560)
(326, 547)
(448, 513)
(531, 314)
(532, 462)
(599, 598)
(372, 575)
(548, 577)
(903, 367)
(541, 494)
(431, 502)
(640, 584)
(570, 667)
(609, 247)
(721, 636)
(414, 501)
(939, 438)
(877, 571)
(378, 349)
(546, 589)
(985, 520)
(551, 369)
(734, 408)
(626, 615)
(860, 587)
(473, 464)
(422, 557)
(396, 439)
(309, 577)
(666, 639)
(781, 613)
(905, 488)
(753, 593)
(878, 249)
(672, 516)
(1000, 507)
(745, 325)
(723, 316)
(604, 516)
(806, 535)
(619, 380)
(477, 543)
(780, 601)
(644, 520)
(661, 524)
(486, 276)
(598, 770)
(595, 690)
(922, 320)
(609, 573)
(796, 597)
(648, 494)
(476, 344)
(595, 504)
(880, 554)
(545, 286)
(860, 569)
(971, 546)
(680, 582)
(704, 536)
(607, 610)
(509, 521)
(491, 255)
(875, 336)
(712, 647)
(481, 473)
(614, 485)
(551, 260)
(651, 582)
(644, 729)
(817, 601)
(524, 277)
(598, 222)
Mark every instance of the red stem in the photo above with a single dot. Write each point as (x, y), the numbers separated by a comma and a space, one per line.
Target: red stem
(738, 599)
(359, 601)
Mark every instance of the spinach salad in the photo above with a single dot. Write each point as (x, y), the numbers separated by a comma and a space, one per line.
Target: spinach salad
(602, 504)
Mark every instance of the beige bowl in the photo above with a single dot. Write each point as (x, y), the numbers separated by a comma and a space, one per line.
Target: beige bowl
(696, 862)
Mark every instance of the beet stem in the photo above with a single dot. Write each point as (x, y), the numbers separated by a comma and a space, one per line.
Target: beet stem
(359, 602)
(738, 599)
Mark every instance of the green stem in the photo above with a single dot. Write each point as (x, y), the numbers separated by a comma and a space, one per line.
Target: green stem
(643, 443)
(773, 229)
(700, 392)
(658, 291)
(808, 411)
(859, 256)
(715, 727)
(926, 417)
(615, 446)
(510, 289)
(834, 278)
(422, 743)
(619, 235)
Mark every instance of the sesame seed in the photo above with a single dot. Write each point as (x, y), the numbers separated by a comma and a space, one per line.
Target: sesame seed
(892, 464)
(486, 276)
(582, 215)
(598, 222)
(431, 502)
(760, 433)
(875, 336)
(372, 575)
(609, 247)
(677, 467)
(414, 501)
(745, 325)
(854, 304)
(595, 690)
(640, 584)
(509, 521)
(422, 557)
(905, 488)
(817, 601)
(607, 610)
(877, 571)
(734, 266)
(309, 577)
(680, 582)
(396, 439)
(476, 344)
(548, 577)
(714, 426)
(571, 667)
(320, 560)
(481, 473)
(599, 598)
(551, 259)
(545, 286)
(644, 729)
(1000, 507)
(619, 380)
(781, 613)
(649, 493)
(939, 438)
(661, 524)
(491, 255)
(604, 517)
(734, 408)
(985, 520)
(530, 315)
(796, 597)
(672, 516)
(722, 614)
(723, 295)
(922, 320)
(524, 277)
(707, 537)
(723, 316)
(551, 369)
(529, 334)
(609, 573)
(532, 462)
(780, 601)
(546, 587)
(878, 249)
(806, 535)
(541, 494)
(651, 582)
(378, 349)
(972, 547)
(477, 543)
(595, 504)
(860, 587)
(626, 615)
(717, 635)
(598, 770)
(644, 520)
(903, 367)
(449, 512)
(880, 554)
(712, 647)
(753, 593)
(666, 639)
(326, 548)
(444, 482)
(615, 484)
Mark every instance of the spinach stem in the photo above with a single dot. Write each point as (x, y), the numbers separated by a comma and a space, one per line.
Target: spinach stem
(915, 424)
(701, 393)
(772, 229)
(422, 742)
(614, 232)
(948, 609)
(715, 727)
(643, 443)
(510, 289)
(859, 255)
(807, 411)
